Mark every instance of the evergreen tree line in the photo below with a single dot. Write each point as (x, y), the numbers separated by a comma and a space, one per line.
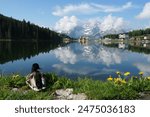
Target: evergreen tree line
(131, 33)
(112, 36)
(139, 32)
(21, 30)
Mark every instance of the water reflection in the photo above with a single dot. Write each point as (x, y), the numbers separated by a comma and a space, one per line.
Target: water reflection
(17, 57)
(122, 45)
(11, 51)
(89, 53)
(66, 55)
(75, 59)
(143, 67)
(139, 47)
(92, 60)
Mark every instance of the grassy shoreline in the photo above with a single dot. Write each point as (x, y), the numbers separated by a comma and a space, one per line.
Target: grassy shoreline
(13, 87)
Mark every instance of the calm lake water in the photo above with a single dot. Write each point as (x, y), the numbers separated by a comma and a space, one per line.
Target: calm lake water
(94, 59)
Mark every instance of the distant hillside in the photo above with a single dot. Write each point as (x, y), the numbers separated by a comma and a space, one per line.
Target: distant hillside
(13, 29)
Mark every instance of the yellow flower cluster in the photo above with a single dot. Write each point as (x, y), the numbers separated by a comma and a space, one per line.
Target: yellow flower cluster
(126, 73)
(118, 73)
(148, 78)
(110, 78)
(117, 80)
(141, 73)
(121, 80)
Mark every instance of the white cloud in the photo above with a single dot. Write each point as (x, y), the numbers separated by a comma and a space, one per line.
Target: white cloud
(82, 8)
(145, 13)
(65, 55)
(110, 22)
(66, 24)
(108, 57)
(144, 68)
(82, 70)
(106, 8)
(89, 8)
(101, 55)
(75, 27)
(90, 54)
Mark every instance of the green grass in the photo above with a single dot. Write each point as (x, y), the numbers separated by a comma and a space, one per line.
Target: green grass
(94, 89)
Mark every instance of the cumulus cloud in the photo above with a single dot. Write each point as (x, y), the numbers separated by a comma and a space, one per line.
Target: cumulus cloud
(82, 70)
(92, 54)
(101, 55)
(66, 24)
(144, 68)
(88, 8)
(108, 57)
(145, 13)
(75, 27)
(110, 22)
(65, 55)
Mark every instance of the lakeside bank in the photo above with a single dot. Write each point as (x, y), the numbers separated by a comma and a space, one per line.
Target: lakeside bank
(13, 87)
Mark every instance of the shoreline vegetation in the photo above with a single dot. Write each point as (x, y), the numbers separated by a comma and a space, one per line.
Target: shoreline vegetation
(123, 87)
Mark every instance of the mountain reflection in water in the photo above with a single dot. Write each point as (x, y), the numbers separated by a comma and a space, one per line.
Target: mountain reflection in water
(75, 60)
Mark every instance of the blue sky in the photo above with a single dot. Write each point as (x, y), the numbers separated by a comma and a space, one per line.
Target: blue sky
(48, 12)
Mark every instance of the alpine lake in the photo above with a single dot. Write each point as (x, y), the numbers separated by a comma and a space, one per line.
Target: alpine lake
(90, 59)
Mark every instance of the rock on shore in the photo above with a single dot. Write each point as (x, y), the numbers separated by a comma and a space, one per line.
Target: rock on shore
(67, 94)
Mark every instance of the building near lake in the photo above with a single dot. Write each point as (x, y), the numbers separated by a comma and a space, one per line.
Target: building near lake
(142, 38)
(147, 37)
(107, 39)
(123, 36)
(122, 45)
(83, 40)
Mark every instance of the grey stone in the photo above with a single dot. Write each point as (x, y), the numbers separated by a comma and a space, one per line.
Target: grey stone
(64, 92)
(15, 89)
(67, 94)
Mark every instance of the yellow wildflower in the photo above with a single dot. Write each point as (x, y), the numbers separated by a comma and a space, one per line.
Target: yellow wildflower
(118, 72)
(117, 80)
(127, 73)
(123, 81)
(141, 73)
(109, 78)
(148, 78)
